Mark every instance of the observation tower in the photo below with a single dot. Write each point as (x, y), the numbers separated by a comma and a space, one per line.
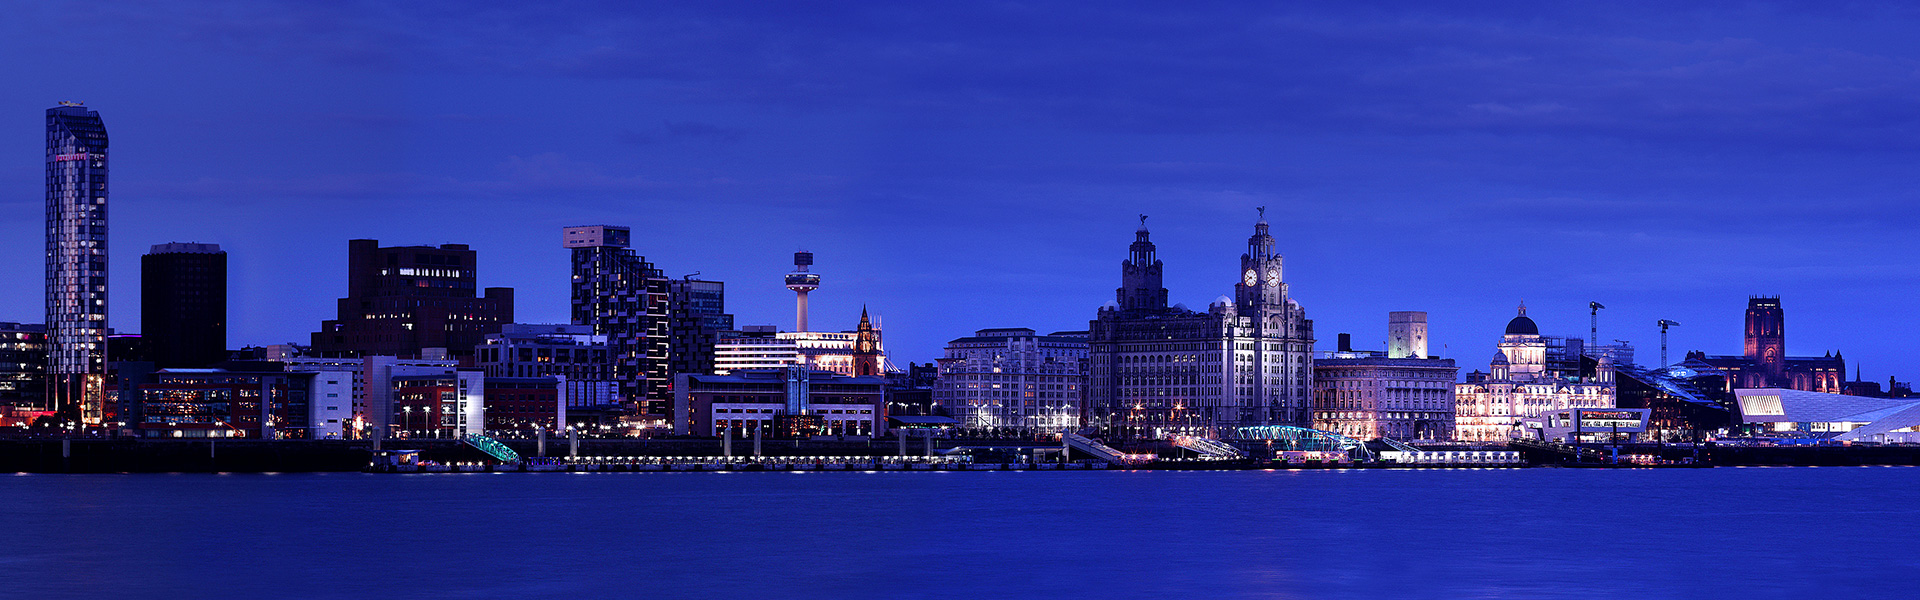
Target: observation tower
(801, 282)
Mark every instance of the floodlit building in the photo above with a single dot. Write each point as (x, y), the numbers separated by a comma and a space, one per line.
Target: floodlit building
(1798, 414)
(857, 353)
(789, 402)
(1013, 378)
(1489, 407)
(1765, 363)
(444, 405)
(1587, 425)
(1158, 370)
(23, 367)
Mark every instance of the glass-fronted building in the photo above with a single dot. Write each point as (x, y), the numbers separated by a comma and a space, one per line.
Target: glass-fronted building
(76, 261)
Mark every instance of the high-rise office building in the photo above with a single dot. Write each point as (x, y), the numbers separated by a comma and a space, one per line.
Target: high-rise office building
(402, 299)
(183, 304)
(76, 261)
(699, 314)
(624, 297)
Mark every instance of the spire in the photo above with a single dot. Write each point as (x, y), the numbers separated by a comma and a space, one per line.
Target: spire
(1523, 308)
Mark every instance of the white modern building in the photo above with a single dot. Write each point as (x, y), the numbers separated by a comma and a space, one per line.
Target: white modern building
(1014, 378)
(1818, 415)
(857, 353)
(330, 405)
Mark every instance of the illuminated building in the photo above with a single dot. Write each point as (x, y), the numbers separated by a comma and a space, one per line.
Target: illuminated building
(402, 300)
(1367, 395)
(201, 403)
(573, 353)
(801, 282)
(76, 255)
(1407, 334)
(23, 373)
(183, 305)
(789, 402)
(1013, 378)
(1766, 364)
(1587, 425)
(1799, 414)
(1158, 370)
(1489, 407)
(444, 405)
(625, 298)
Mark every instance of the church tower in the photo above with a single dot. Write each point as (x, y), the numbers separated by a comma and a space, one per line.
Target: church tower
(1140, 286)
(866, 347)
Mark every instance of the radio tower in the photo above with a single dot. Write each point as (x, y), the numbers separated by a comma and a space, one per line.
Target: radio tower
(801, 282)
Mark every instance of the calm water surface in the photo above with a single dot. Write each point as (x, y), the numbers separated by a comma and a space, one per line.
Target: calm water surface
(1534, 533)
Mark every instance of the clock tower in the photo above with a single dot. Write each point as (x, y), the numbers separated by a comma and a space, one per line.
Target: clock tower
(1260, 284)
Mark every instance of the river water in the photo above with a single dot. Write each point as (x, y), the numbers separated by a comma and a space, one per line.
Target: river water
(1526, 533)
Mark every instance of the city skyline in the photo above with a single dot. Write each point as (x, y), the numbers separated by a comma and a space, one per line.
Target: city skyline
(928, 208)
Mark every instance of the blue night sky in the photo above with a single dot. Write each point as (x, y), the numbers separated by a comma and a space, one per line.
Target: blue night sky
(966, 165)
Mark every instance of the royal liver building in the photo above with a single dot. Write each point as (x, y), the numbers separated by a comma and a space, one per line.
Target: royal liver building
(1159, 370)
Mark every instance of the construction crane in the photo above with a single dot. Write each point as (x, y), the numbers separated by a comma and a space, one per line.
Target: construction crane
(1593, 335)
(1664, 324)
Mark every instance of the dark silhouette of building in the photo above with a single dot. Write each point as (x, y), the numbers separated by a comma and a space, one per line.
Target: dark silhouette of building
(624, 297)
(1687, 401)
(76, 262)
(1766, 364)
(523, 405)
(401, 299)
(699, 314)
(183, 304)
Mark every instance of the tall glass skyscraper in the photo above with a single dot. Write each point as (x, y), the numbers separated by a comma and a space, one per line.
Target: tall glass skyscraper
(76, 261)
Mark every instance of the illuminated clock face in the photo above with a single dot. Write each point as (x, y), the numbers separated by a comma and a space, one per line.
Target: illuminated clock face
(1251, 277)
(1273, 275)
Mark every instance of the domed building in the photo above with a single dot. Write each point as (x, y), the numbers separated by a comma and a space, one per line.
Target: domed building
(1519, 384)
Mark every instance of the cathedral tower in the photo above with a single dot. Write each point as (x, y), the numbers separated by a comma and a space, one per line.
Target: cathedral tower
(1767, 337)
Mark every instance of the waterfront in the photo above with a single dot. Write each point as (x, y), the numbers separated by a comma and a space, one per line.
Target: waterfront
(1531, 533)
